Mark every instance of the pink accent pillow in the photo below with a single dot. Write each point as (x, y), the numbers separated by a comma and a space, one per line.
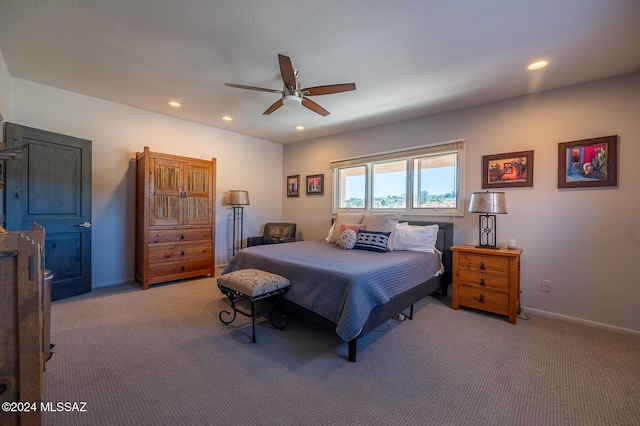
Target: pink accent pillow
(353, 226)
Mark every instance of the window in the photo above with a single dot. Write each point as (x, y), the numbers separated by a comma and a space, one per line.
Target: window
(352, 187)
(423, 181)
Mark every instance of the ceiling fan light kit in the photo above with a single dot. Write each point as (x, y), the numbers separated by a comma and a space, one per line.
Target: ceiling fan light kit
(291, 93)
(292, 100)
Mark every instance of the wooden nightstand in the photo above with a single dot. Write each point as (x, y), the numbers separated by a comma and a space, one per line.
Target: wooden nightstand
(487, 279)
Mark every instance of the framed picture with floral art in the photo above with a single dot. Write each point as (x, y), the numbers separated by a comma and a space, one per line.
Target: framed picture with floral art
(315, 184)
(509, 170)
(588, 163)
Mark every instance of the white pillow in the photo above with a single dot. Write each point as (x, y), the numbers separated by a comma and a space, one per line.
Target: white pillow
(382, 222)
(416, 238)
(340, 219)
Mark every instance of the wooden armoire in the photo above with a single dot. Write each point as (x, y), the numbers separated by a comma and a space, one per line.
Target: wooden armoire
(175, 217)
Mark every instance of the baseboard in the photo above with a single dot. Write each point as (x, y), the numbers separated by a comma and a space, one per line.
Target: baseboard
(584, 322)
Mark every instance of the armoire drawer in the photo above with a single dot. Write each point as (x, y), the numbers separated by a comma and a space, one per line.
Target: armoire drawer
(159, 269)
(178, 236)
(179, 251)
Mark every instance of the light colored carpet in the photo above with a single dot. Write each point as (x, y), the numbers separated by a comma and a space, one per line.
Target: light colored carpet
(162, 357)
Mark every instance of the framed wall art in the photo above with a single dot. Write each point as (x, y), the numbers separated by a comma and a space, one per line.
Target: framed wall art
(293, 185)
(588, 163)
(509, 170)
(315, 184)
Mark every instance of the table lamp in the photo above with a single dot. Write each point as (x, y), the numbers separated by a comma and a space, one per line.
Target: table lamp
(488, 204)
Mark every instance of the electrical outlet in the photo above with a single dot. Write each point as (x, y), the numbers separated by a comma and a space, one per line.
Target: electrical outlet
(546, 286)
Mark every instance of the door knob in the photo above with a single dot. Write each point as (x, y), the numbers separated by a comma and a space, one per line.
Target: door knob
(85, 225)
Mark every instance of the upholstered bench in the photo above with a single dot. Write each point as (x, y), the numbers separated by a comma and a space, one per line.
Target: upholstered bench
(252, 285)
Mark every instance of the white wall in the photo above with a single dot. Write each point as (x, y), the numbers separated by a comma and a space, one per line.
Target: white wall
(586, 241)
(118, 132)
(4, 90)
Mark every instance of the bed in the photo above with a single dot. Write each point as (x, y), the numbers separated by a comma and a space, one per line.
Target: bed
(352, 291)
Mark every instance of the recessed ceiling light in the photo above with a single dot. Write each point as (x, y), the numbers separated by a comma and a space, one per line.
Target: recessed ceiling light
(174, 103)
(299, 127)
(537, 65)
(227, 118)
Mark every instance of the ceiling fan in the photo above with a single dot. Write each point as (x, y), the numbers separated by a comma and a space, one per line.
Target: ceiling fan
(292, 94)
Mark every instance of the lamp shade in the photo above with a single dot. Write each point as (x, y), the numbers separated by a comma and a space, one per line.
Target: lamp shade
(488, 202)
(238, 197)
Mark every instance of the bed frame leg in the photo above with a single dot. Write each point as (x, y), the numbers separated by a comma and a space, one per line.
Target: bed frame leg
(353, 348)
(444, 287)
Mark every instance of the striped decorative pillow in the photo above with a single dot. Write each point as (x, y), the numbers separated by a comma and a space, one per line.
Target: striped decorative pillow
(372, 241)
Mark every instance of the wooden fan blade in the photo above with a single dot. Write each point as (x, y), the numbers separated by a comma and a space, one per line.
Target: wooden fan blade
(329, 89)
(314, 107)
(286, 70)
(261, 89)
(277, 104)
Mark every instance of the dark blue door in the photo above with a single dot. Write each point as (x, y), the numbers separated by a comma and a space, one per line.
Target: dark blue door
(50, 183)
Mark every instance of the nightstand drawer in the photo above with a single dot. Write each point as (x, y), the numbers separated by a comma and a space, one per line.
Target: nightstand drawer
(471, 296)
(484, 262)
(482, 278)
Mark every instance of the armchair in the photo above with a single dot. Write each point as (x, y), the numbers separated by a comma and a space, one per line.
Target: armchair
(274, 233)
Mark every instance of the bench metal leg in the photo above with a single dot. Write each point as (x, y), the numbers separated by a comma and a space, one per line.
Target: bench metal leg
(235, 297)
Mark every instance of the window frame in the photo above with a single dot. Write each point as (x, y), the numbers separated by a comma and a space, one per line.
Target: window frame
(408, 155)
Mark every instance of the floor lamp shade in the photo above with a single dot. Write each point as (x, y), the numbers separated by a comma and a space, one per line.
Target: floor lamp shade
(488, 204)
(238, 199)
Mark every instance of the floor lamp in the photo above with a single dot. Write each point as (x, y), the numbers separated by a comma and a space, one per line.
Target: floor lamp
(238, 199)
(489, 204)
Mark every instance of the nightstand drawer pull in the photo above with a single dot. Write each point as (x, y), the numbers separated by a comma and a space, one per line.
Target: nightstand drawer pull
(482, 281)
(482, 265)
(481, 300)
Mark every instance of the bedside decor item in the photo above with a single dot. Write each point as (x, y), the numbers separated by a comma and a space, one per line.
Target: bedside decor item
(238, 199)
(315, 184)
(510, 170)
(588, 163)
(293, 183)
(488, 204)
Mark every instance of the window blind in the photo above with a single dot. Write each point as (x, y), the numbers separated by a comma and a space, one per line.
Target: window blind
(457, 145)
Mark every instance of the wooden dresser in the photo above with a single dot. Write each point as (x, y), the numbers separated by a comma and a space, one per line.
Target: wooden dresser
(175, 217)
(487, 279)
(22, 354)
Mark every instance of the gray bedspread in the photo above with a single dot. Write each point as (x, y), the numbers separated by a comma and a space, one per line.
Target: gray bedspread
(341, 285)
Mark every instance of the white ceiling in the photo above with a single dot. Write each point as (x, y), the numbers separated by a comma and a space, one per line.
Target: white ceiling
(407, 57)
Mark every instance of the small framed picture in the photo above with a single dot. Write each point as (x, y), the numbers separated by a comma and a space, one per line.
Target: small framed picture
(588, 163)
(315, 184)
(510, 170)
(293, 185)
